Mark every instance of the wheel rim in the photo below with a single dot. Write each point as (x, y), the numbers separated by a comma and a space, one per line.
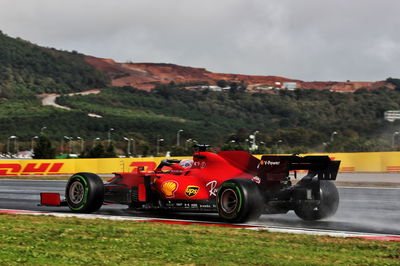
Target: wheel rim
(76, 192)
(229, 200)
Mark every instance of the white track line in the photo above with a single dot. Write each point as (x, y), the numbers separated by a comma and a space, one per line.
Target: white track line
(370, 187)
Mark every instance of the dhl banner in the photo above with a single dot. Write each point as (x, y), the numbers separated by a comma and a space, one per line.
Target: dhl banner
(350, 162)
(71, 166)
(368, 161)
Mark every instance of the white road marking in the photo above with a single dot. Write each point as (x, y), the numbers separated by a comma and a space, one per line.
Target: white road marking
(369, 187)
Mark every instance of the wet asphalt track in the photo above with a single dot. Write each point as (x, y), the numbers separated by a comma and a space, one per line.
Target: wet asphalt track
(367, 210)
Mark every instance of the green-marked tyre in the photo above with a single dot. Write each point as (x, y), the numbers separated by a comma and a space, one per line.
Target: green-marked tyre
(239, 200)
(327, 206)
(84, 192)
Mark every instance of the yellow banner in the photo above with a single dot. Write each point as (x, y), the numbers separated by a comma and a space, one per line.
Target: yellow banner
(351, 162)
(71, 166)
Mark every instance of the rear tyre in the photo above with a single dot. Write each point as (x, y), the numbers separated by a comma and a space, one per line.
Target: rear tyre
(329, 202)
(84, 192)
(239, 200)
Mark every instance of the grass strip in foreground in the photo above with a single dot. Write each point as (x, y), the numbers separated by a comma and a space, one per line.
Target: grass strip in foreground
(51, 240)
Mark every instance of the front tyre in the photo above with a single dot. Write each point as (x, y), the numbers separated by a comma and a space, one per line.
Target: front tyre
(84, 192)
(329, 202)
(239, 200)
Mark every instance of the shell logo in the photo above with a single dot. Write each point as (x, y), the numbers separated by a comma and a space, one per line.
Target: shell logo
(169, 188)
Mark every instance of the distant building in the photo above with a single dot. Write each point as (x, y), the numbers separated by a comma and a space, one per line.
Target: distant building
(392, 115)
(262, 87)
(289, 85)
(213, 88)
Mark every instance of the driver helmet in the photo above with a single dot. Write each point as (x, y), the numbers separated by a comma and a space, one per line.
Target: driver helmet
(186, 163)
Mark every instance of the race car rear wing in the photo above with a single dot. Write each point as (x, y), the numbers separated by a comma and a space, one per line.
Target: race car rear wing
(274, 168)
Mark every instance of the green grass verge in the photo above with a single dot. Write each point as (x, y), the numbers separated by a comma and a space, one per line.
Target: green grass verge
(51, 240)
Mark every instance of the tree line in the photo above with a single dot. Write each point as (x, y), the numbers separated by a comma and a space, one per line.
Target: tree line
(27, 69)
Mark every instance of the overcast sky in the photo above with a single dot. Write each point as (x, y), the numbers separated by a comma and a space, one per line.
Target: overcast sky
(302, 39)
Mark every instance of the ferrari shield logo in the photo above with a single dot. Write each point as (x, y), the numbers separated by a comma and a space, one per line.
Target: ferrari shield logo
(191, 191)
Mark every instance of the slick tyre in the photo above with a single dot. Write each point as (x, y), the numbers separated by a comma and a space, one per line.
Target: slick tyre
(329, 202)
(84, 192)
(239, 200)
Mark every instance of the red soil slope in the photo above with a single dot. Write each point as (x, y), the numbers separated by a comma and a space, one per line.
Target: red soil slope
(146, 76)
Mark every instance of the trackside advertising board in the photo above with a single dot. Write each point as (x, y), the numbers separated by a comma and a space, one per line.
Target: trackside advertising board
(70, 166)
(351, 162)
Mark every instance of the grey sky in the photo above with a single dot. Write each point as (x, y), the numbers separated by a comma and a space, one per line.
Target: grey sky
(304, 39)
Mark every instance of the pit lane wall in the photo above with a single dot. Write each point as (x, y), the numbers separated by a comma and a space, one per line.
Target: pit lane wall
(351, 162)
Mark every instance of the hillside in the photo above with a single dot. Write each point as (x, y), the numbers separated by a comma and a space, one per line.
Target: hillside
(301, 119)
(158, 106)
(27, 69)
(146, 76)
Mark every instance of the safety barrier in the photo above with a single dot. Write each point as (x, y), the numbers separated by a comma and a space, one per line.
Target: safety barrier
(368, 161)
(351, 162)
(70, 166)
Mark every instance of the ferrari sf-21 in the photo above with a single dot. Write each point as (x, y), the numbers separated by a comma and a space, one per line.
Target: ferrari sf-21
(235, 184)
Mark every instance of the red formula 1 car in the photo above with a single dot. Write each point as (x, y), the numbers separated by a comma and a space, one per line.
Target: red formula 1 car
(235, 184)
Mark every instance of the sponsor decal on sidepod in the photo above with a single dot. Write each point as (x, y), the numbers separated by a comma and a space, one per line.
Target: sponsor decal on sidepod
(191, 191)
(169, 188)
